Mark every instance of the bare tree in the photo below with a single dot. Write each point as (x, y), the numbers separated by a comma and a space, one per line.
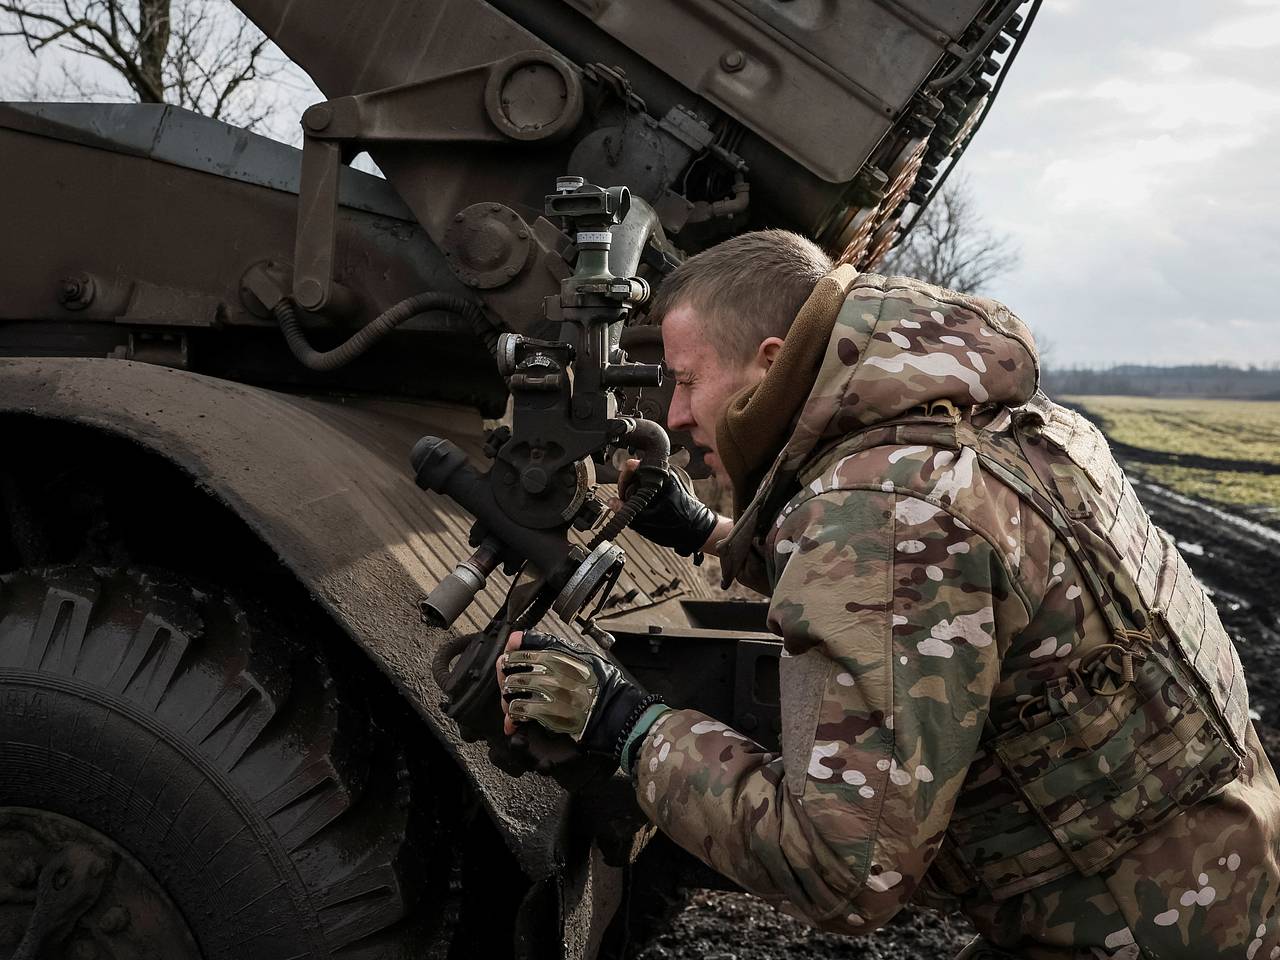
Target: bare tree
(952, 246)
(198, 54)
(1046, 349)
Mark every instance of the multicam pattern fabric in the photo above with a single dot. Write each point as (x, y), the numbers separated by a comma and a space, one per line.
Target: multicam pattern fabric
(957, 722)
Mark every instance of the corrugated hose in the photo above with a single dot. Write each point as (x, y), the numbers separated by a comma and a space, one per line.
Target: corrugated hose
(654, 446)
(359, 342)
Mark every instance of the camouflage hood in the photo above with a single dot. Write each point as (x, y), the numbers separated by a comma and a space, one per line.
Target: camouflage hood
(891, 344)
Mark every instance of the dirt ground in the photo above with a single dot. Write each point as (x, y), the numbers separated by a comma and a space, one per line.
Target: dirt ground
(1238, 559)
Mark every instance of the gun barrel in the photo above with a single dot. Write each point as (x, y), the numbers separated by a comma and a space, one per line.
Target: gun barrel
(452, 595)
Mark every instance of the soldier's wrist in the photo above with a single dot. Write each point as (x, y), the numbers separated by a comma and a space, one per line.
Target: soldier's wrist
(702, 525)
(633, 739)
(719, 531)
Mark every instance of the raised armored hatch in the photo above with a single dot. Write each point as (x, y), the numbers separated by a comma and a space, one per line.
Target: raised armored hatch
(830, 118)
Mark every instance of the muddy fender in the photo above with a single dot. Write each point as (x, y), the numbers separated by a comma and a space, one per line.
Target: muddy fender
(325, 484)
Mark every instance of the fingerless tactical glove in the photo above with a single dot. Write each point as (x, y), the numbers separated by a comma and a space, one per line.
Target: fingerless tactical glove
(675, 518)
(574, 692)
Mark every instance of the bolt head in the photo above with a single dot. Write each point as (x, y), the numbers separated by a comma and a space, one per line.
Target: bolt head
(310, 295)
(534, 480)
(733, 61)
(318, 117)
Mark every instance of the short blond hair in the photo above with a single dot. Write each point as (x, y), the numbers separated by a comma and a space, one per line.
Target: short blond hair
(747, 289)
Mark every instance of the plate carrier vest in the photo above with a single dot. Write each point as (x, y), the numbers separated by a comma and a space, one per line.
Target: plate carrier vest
(1150, 723)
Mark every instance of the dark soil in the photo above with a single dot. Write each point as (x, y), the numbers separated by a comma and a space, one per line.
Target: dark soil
(1237, 560)
(1194, 460)
(735, 926)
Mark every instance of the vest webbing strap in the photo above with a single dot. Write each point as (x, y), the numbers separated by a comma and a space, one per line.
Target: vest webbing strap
(954, 433)
(1049, 509)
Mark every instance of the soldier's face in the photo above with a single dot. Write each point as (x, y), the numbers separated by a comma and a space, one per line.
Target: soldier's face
(705, 379)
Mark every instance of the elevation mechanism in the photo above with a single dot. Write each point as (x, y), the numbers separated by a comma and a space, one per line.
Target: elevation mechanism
(541, 481)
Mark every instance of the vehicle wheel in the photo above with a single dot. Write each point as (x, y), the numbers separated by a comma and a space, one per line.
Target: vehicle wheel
(179, 780)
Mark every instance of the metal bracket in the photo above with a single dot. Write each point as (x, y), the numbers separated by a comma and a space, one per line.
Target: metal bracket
(725, 666)
(162, 348)
(528, 96)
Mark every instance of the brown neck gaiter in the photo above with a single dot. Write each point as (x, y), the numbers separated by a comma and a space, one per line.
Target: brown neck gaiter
(759, 419)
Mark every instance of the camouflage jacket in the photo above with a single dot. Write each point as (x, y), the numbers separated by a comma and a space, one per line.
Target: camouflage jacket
(929, 617)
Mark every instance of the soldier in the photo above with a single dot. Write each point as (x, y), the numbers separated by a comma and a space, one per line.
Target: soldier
(1002, 687)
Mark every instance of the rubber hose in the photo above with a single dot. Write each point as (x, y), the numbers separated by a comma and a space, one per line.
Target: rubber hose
(376, 329)
(631, 508)
(654, 445)
(446, 653)
(535, 611)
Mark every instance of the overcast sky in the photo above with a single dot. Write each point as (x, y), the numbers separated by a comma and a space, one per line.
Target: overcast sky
(1132, 156)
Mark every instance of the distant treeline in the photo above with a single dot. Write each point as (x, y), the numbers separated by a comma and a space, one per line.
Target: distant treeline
(1208, 380)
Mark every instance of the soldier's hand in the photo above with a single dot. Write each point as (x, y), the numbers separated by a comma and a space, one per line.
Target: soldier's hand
(674, 518)
(569, 691)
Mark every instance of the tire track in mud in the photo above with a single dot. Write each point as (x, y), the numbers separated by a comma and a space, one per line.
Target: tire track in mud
(1237, 559)
(1195, 461)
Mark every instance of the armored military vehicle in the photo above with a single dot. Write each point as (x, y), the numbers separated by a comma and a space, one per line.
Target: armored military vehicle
(223, 732)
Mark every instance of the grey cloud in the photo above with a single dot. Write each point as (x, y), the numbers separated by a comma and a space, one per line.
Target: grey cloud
(1130, 154)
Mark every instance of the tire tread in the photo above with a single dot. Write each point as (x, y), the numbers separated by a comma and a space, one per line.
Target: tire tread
(294, 741)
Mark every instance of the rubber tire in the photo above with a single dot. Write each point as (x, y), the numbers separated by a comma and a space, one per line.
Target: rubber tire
(223, 755)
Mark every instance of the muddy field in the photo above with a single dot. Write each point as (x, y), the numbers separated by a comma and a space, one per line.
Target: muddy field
(1237, 557)
(1226, 452)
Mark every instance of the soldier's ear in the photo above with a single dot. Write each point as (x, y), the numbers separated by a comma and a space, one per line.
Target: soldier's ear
(767, 352)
